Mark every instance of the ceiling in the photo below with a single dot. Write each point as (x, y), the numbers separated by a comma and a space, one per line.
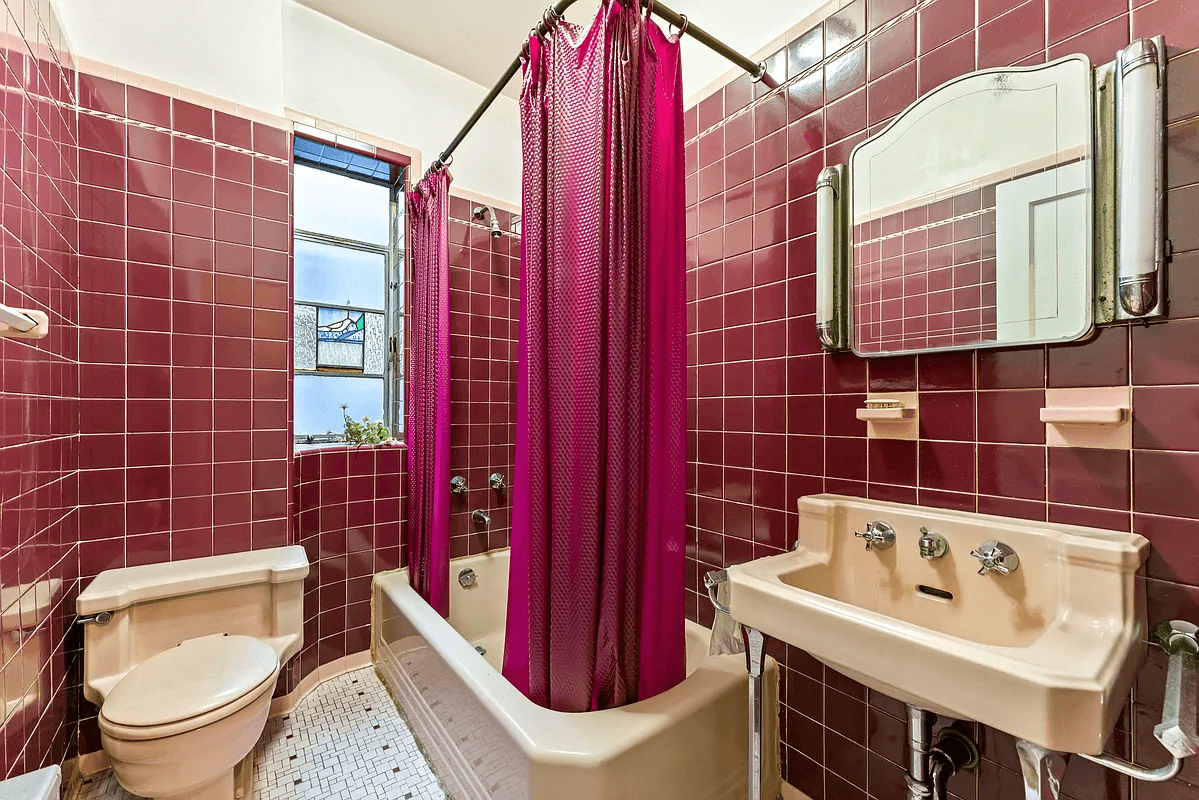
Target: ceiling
(479, 39)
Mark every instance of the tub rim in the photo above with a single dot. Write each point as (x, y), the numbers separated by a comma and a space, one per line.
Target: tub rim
(553, 736)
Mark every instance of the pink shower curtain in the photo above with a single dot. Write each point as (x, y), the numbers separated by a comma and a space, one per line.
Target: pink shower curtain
(429, 393)
(596, 606)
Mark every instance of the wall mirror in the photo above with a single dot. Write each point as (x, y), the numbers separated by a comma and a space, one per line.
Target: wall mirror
(971, 219)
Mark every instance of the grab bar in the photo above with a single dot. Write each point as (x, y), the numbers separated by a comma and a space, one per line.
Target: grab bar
(712, 580)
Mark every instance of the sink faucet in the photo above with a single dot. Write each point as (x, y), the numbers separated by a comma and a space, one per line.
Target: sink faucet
(997, 557)
(932, 545)
(878, 535)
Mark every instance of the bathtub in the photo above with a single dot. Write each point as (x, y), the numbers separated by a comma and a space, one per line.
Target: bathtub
(487, 741)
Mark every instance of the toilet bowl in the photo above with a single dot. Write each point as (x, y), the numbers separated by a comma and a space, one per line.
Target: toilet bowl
(176, 725)
(185, 669)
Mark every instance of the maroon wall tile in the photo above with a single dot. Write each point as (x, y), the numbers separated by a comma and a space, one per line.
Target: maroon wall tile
(41, 442)
(982, 444)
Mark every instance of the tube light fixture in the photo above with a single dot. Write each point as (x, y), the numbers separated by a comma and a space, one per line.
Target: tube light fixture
(828, 194)
(1140, 172)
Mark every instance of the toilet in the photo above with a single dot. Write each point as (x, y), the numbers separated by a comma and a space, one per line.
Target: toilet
(184, 669)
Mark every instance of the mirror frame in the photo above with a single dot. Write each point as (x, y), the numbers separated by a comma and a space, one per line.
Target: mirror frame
(1127, 275)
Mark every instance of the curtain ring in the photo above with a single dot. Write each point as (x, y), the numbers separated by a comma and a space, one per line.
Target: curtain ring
(550, 19)
(683, 28)
(449, 160)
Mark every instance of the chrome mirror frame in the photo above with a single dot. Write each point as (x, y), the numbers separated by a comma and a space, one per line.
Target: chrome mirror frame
(1130, 251)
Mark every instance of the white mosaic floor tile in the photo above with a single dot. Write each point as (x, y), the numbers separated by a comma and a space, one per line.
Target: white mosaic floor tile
(345, 740)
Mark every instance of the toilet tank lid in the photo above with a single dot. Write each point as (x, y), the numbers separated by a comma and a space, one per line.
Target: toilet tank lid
(115, 589)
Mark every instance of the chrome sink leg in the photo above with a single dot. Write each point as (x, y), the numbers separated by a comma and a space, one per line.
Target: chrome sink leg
(755, 661)
(920, 740)
(1043, 770)
(1179, 729)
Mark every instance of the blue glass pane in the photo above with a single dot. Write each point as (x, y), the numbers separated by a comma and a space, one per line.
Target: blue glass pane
(342, 206)
(338, 276)
(330, 156)
(319, 399)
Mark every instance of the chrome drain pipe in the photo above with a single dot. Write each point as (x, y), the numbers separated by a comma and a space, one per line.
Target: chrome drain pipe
(930, 766)
(920, 740)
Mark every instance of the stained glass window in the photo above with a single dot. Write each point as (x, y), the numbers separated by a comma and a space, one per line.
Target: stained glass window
(349, 314)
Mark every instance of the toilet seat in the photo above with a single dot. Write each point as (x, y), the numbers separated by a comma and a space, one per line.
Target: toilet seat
(196, 683)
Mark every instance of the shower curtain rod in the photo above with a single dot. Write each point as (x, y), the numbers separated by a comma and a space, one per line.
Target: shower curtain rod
(757, 70)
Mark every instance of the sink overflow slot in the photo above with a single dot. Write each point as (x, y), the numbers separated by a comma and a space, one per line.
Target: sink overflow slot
(940, 594)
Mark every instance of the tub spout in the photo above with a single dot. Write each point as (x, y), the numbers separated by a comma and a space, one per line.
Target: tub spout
(481, 517)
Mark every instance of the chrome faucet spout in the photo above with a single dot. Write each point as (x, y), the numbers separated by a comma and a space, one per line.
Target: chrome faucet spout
(481, 517)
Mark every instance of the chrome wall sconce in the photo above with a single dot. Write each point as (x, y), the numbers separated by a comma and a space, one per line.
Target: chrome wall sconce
(1141, 246)
(832, 258)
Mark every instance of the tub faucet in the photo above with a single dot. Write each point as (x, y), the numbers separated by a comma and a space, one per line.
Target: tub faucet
(481, 517)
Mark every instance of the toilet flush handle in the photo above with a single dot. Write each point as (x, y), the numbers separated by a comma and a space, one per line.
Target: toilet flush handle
(103, 618)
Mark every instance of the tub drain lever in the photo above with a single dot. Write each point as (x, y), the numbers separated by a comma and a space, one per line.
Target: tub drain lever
(1178, 731)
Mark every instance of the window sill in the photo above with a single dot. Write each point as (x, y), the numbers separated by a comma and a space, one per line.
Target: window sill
(302, 449)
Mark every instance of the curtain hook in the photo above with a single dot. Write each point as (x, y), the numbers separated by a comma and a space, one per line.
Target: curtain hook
(649, 8)
(449, 160)
(682, 28)
(550, 19)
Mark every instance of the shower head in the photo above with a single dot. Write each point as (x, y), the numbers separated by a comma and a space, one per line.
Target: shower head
(483, 211)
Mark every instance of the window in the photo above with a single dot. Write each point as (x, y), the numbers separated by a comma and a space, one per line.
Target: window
(349, 303)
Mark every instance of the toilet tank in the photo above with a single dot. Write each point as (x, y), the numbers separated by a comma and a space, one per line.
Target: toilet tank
(157, 606)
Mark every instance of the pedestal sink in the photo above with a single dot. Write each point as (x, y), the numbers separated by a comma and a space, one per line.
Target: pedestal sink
(1046, 652)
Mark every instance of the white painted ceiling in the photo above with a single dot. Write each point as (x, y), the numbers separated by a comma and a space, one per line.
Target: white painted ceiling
(479, 38)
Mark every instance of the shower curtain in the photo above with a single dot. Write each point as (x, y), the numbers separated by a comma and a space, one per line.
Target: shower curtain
(596, 597)
(429, 393)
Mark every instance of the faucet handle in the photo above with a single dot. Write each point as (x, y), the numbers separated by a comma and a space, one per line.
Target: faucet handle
(496, 479)
(996, 557)
(932, 544)
(458, 484)
(878, 535)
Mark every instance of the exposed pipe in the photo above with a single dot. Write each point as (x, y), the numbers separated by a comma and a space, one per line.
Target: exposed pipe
(931, 766)
(1138, 773)
(756, 69)
(920, 739)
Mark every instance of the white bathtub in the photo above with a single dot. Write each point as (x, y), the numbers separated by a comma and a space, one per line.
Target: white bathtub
(487, 741)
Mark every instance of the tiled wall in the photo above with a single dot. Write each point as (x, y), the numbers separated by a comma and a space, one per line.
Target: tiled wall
(184, 322)
(184, 316)
(772, 417)
(484, 310)
(39, 266)
(349, 517)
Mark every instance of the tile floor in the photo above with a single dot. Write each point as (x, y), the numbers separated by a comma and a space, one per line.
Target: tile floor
(344, 741)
